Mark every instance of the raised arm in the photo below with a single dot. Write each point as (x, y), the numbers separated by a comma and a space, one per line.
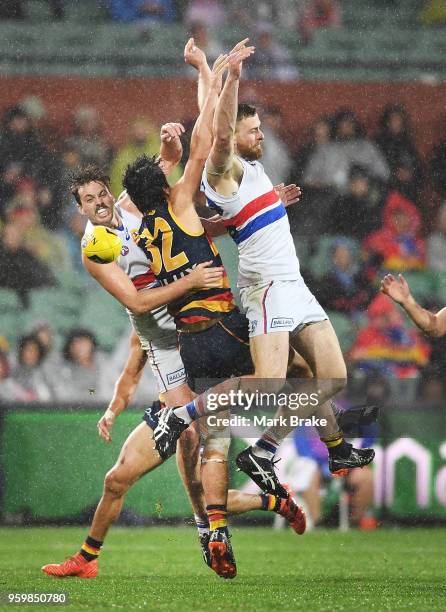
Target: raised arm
(430, 323)
(171, 149)
(222, 161)
(201, 140)
(194, 56)
(118, 284)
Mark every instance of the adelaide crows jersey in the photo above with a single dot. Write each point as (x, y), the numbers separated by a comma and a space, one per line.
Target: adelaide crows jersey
(174, 252)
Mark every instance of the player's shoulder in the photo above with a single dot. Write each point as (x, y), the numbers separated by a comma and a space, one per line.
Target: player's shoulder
(126, 207)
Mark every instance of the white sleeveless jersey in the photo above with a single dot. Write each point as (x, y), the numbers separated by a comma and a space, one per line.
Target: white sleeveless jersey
(153, 325)
(258, 223)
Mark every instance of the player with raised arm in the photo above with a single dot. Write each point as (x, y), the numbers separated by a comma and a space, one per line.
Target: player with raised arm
(211, 330)
(432, 324)
(280, 308)
(145, 301)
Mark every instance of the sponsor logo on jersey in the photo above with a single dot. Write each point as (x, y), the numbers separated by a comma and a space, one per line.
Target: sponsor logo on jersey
(282, 322)
(176, 376)
(125, 250)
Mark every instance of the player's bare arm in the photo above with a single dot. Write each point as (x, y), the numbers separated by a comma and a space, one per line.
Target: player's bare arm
(125, 387)
(224, 171)
(114, 280)
(201, 141)
(430, 323)
(194, 56)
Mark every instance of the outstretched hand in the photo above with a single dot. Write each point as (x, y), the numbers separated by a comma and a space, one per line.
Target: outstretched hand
(170, 131)
(193, 55)
(289, 194)
(396, 288)
(105, 425)
(237, 56)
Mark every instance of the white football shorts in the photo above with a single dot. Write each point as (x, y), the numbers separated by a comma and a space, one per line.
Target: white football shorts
(282, 305)
(158, 336)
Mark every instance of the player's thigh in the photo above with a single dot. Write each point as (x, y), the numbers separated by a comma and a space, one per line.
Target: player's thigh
(270, 354)
(137, 457)
(318, 344)
(178, 396)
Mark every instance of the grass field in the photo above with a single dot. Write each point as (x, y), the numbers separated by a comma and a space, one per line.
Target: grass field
(161, 569)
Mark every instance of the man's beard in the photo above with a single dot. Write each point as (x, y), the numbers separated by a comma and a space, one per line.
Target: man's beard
(252, 154)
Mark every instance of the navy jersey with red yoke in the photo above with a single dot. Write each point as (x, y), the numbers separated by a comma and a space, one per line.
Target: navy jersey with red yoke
(174, 252)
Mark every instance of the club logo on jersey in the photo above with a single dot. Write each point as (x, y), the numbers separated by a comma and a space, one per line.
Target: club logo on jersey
(173, 377)
(125, 251)
(252, 326)
(281, 322)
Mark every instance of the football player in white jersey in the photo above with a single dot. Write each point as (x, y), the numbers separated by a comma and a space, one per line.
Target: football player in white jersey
(157, 336)
(280, 308)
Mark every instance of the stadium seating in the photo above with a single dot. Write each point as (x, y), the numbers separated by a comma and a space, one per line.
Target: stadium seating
(375, 42)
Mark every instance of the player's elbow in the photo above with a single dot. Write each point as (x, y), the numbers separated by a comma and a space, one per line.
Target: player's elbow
(137, 308)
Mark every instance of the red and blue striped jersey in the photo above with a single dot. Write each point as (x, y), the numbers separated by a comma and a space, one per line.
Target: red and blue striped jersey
(256, 219)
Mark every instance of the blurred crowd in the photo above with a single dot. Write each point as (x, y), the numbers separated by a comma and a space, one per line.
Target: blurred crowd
(363, 214)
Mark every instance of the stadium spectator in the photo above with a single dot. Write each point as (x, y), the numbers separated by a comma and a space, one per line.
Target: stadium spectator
(433, 13)
(359, 211)
(432, 387)
(52, 359)
(144, 140)
(438, 167)
(147, 11)
(344, 288)
(88, 138)
(396, 142)
(11, 9)
(318, 136)
(23, 155)
(388, 344)
(276, 155)
(210, 13)
(47, 246)
(318, 14)
(404, 180)
(330, 164)
(271, 60)
(20, 144)
(10, 390)
(28, 373)
(21, 270)
(397, 245)
(436, 243)
(79, 377)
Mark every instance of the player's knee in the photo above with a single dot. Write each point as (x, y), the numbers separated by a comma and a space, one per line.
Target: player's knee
(216, 446)
(115, 484)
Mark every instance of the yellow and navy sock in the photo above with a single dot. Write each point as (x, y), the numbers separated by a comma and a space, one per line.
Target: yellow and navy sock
(91, 549)
(218, 516)
(270, 503)
(336, 445)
